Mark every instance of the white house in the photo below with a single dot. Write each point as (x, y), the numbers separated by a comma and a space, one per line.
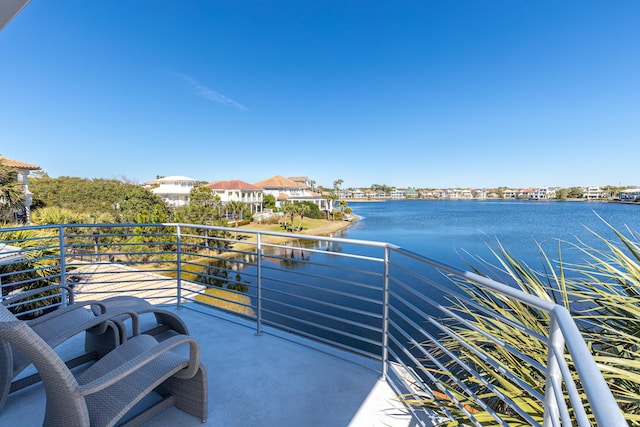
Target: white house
(174, 190)
(236, 190)
(542, 193)
(466, 193)
(509, 194)
(630, 195)
(593, 193)
(285, 189)
(397, 194)
(452, 193)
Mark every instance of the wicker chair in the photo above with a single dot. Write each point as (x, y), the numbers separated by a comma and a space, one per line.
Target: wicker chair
(108, 389)
(55, 328)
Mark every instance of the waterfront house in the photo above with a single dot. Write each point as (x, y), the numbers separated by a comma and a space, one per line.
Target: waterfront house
(593, 193)
(509, 194)
(397, 194)
(452, 193)
(479, 193)
(236, 190)
(174, 190)
(542, 193)
(411, 194)
(358, 194)
(345, 194)
(466, 194)
(629, 195)
(439, 194)
(285, 189)
(525, 193)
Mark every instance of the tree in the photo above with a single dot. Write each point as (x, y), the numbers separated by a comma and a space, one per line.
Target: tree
(562, 193)
(269, 201)
(575, 193)
(11, 196)
(301, 209)
(336, 185)
(205, 207)
(124, 201)
(332, 197)
(237, 209)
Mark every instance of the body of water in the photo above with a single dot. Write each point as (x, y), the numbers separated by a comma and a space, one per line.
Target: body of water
(445, 229)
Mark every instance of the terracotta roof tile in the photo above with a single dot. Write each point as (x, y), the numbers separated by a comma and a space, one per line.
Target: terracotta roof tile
(277, 181)
(19, 165)
(234, 184)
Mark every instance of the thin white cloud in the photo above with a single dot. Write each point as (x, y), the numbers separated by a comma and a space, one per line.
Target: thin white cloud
(212, 95)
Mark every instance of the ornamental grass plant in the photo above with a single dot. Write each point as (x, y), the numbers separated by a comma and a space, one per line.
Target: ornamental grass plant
(602, 293)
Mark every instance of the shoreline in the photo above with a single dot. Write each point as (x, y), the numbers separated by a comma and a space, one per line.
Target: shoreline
(313, 227)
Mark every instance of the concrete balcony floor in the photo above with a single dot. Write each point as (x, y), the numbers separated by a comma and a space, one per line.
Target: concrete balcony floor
(274, 379)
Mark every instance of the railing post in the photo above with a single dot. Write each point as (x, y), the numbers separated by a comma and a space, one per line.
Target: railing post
(259, 284)
(385, 316)
(553, 374)
(63, 265)
(179, 266)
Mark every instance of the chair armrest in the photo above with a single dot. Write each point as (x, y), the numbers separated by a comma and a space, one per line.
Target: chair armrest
(62, 310)
(144, 358)
(66, 331)
(12, 300)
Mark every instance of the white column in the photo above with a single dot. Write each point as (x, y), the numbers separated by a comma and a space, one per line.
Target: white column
(28, 196)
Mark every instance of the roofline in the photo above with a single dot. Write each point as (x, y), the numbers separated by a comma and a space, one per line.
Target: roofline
(9, 9)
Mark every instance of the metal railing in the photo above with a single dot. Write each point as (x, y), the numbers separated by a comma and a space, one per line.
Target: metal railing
(410, 313)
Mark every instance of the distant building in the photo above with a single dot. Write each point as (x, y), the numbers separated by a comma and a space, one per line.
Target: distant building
(543, 193)
(509, 194)
(411, 194)
(397, 194)
(630, 195)
(593, 193)
(174, 190)
(358, 194)
(480, 194)
(452, 193)
(466, 194)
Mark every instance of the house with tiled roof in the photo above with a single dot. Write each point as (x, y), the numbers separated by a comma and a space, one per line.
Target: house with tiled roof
(23, 170)
(286, 189)
(236, 190)
(303, 181)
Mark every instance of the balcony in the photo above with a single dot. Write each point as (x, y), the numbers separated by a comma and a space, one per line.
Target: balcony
(302, 330)
(268, 380)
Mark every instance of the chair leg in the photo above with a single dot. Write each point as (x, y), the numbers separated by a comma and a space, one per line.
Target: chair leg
(104, 343)
(191, 395)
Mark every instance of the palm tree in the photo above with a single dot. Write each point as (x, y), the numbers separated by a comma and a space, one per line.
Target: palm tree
(301, 209)
(331, 213)
(237, 209)
(286, 207)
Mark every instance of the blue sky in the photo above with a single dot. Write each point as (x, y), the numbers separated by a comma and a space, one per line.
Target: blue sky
(414, 93)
